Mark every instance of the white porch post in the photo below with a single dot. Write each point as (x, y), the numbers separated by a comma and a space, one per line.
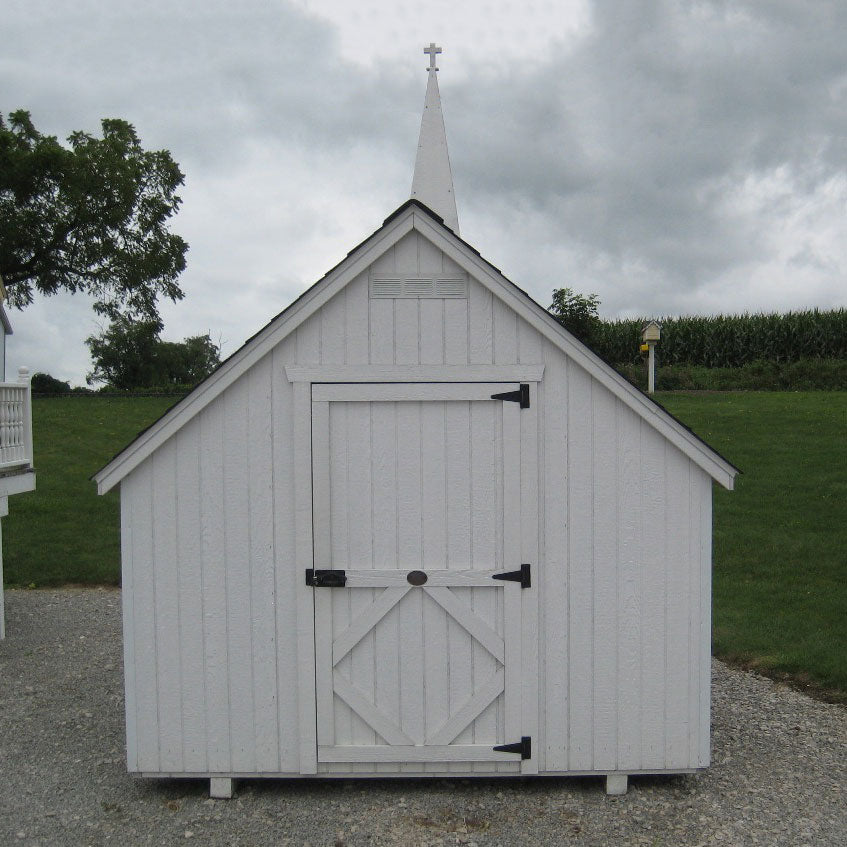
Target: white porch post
(24, 378)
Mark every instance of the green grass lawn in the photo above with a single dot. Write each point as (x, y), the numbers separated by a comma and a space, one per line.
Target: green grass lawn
(780, 553)
(780, 539)
(63, 532)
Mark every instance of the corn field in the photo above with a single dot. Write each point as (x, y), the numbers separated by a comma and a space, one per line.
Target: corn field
(730, 341)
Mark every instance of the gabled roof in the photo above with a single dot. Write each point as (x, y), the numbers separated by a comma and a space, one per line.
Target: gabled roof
(412, 215)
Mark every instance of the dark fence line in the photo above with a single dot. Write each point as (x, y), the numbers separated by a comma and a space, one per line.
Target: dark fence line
(108, 394)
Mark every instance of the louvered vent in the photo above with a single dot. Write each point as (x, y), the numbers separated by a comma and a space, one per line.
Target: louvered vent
(386, 288)
(450, 286)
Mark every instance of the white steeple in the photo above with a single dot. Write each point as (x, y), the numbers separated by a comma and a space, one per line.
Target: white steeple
(432, 183)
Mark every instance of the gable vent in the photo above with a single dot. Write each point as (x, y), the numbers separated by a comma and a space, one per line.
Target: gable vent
(445, 286)
(451, 288)
(386, 288)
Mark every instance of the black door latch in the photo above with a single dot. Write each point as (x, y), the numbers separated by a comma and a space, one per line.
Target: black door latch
(325, 578)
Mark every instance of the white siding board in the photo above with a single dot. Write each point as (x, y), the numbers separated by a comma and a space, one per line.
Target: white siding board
(530, 530)
(406, 254)
(430, 258)
(357, 321)
(385, 552)
(144, 608)
(215, 639)
(653, 591)
(382, 332)
(304, 558)
(189, 557)
(605, 460)
(693, 658)
(308, 342)
(505, 331)
(286, 582)
(128, 611)
(676, 609)
(629, 610)
(553, 577)
(580, 580)
(406, 328)
(431, 332)
(409, 541)
(534, 348)
(455, 332)
(333, 330)
(705, 635)
(166, 593)
(480, 324)
(260, 495)
(238, 547)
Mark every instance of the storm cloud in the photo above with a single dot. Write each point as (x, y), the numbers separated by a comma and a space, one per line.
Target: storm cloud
(672, 157)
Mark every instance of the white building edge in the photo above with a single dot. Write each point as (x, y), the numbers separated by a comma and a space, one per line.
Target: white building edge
(17, 474)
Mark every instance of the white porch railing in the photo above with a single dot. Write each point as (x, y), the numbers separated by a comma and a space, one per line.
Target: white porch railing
(16, 423)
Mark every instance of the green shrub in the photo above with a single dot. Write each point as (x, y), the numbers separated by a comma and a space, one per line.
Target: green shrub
(45, 384)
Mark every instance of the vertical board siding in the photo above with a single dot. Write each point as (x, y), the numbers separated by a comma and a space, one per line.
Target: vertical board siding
(621, 546)
(260, 499)
(140, 492)
(653, 593)
(604, 541)
(128, 614)
(168, 671)
(214, 587)
(630, 619)
(237, 544)
(554, 584)
(580, 570)
(677, 608)
(189, 558)
(704, 566)
(286, 580)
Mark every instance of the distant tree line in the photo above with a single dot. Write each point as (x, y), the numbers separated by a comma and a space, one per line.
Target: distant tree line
(130, 355)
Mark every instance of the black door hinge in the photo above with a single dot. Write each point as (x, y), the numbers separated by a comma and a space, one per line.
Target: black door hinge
(325, 578)
(520, 396)
(524, 747)
(522, 576)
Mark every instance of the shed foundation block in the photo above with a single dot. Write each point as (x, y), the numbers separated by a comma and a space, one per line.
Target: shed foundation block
(616, 783)
(220, 787)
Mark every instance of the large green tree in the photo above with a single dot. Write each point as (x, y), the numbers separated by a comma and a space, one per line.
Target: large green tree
(90, 217)
(129, 354)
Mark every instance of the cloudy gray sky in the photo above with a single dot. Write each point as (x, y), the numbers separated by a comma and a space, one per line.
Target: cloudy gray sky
(673, 157)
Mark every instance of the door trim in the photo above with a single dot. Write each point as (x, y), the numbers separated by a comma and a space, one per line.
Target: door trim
(305, 381)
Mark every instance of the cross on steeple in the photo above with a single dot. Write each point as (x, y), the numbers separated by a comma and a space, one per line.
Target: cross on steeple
(432, 50)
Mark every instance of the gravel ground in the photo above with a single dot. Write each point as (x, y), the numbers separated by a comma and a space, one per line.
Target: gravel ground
(779, 773)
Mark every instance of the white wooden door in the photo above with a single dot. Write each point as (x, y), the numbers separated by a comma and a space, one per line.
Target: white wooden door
(421, 478)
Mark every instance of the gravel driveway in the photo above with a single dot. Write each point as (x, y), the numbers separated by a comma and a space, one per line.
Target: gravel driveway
(779, 774)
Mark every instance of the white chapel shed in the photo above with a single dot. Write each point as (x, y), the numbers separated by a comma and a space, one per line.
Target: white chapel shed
(413, 527)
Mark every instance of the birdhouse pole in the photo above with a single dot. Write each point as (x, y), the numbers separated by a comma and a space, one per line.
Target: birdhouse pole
(651, 367)
(650, 334)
